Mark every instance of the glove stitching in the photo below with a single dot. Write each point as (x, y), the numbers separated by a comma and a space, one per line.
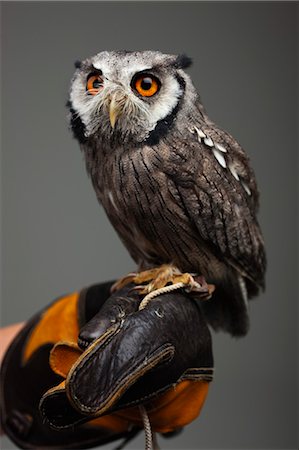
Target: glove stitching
(198, 372)
(197, 378)
(167, 361)
(164, 388)
(90, 363)
(118, 392)
(149, 396)
(90, 353)
(104, 340)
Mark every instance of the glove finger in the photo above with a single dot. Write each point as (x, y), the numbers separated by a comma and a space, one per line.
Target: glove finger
(122, 303)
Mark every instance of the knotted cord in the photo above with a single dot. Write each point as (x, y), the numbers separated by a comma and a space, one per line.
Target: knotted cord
(163, 290)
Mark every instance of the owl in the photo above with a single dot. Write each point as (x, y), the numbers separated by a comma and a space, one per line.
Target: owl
(177, 188)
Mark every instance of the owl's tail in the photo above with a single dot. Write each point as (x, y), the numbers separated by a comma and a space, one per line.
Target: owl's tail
(227, 310)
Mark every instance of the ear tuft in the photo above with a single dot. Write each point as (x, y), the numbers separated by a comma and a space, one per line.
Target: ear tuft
(78, 64)
(183, 62)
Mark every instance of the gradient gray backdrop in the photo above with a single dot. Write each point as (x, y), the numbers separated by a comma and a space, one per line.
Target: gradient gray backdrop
(57, 239)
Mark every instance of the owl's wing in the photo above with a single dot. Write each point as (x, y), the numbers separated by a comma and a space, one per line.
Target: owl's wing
(217, 191)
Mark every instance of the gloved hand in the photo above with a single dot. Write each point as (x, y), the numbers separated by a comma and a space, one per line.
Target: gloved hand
(159, 357)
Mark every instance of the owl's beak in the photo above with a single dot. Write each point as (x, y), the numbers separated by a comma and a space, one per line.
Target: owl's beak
(115, 110)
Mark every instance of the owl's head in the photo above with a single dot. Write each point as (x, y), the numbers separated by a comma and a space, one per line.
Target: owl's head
(123, 96)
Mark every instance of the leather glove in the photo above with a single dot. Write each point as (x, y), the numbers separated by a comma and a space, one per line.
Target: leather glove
(159, 357)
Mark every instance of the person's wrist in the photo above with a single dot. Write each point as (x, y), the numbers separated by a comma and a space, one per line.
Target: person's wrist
(7, 335)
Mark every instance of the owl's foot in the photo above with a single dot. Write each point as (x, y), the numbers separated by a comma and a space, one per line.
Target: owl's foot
(160, 278)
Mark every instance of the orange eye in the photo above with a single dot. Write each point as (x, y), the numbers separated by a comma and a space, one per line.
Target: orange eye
(146, 85)
(94, 84)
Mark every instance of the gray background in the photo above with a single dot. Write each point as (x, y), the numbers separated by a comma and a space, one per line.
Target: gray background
(57, 239)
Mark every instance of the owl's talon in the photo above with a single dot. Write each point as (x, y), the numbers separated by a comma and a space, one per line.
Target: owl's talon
(140, 289)
(158, 278)
(122, 282)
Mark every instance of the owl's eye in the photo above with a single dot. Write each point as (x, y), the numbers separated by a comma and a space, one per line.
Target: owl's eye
(94, 84)
(146, 85)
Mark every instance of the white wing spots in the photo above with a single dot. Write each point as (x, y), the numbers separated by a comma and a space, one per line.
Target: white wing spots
(246, 187)
(220, 158)
(209, 142)
(200, 134)
(220, 147)
(233, 171)
(112, 200)
(219, 152)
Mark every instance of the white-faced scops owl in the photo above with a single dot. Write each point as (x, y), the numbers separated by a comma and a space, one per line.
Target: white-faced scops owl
(177, 188)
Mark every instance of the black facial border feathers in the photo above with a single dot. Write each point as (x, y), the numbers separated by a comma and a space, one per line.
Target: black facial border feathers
(164, 125)
(77, 126)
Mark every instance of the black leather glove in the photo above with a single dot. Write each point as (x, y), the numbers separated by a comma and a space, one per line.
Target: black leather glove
(159, 357)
